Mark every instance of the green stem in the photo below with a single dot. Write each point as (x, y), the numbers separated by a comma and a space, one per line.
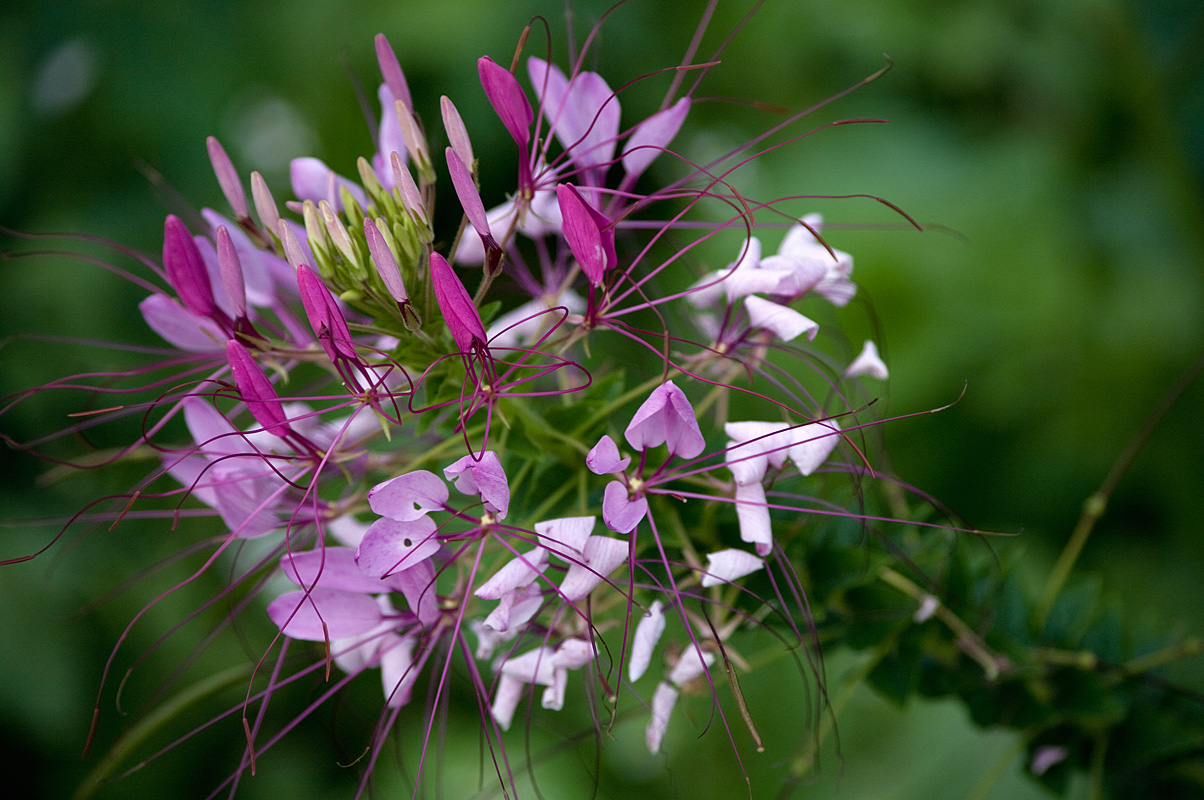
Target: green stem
(155, 720)
(1097, 503)
(969, 641)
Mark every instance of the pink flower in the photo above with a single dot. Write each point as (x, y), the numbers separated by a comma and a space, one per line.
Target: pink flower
(666, 417)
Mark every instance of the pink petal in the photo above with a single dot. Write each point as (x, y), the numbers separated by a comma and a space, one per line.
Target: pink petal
(773, 439)
(666, 417)
(301, 614)
(747, 465)
(390, 546)
(584, 112)
(620, 513)
(651, 136)
(690, 665)
(553, 696)
(604, 458)
(330, 568)
(390, 138)
(729, 565)
(505, 701)
(409, 496)
(533, 666)
(417, 582)
(484, 477)
(180, 327)
(574, 654)
(212, 432)
(313, 180)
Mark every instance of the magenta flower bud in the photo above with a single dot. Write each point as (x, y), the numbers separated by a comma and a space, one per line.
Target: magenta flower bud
(265, 204)
(186, 268)
(256, 390)
(461, 316)
(474, 209)
(390, 70)
(411, 198)
(325, 317)
(231, 271)
(386, 265)
(227, 178)
(507, 99)
(666, 417)
(457, 134)
(589, 233)
(293, 252)
(413, 137)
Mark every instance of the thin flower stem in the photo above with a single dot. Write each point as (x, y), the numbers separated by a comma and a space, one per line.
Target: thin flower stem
(135, 735)
(969, 641)
(1188, 648)
(857, 676)
(987, 782)
(1097, 503)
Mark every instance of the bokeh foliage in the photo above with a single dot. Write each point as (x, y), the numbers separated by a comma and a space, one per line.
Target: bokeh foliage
(1055, 147)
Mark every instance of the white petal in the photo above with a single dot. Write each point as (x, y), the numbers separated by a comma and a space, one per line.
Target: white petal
(647, 634)
(690, 666)
(729, 565)
(815, 442)
(553, 696)
(663, 701)
(868, 362)
(565, 536)
(753, 515)
(509, 692)
(533, 666)
(601, 555)
(785, 322)
(747, 465)
(574, 654)
(770, 438)
(518, 572)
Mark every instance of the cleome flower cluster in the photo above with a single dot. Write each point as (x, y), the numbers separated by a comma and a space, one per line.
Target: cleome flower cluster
(552, 447)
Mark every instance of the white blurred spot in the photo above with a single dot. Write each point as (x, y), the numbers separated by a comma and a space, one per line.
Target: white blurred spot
(267, 132)
(65, 76)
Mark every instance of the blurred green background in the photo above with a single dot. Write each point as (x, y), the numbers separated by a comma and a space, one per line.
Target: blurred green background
(1057, 147)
